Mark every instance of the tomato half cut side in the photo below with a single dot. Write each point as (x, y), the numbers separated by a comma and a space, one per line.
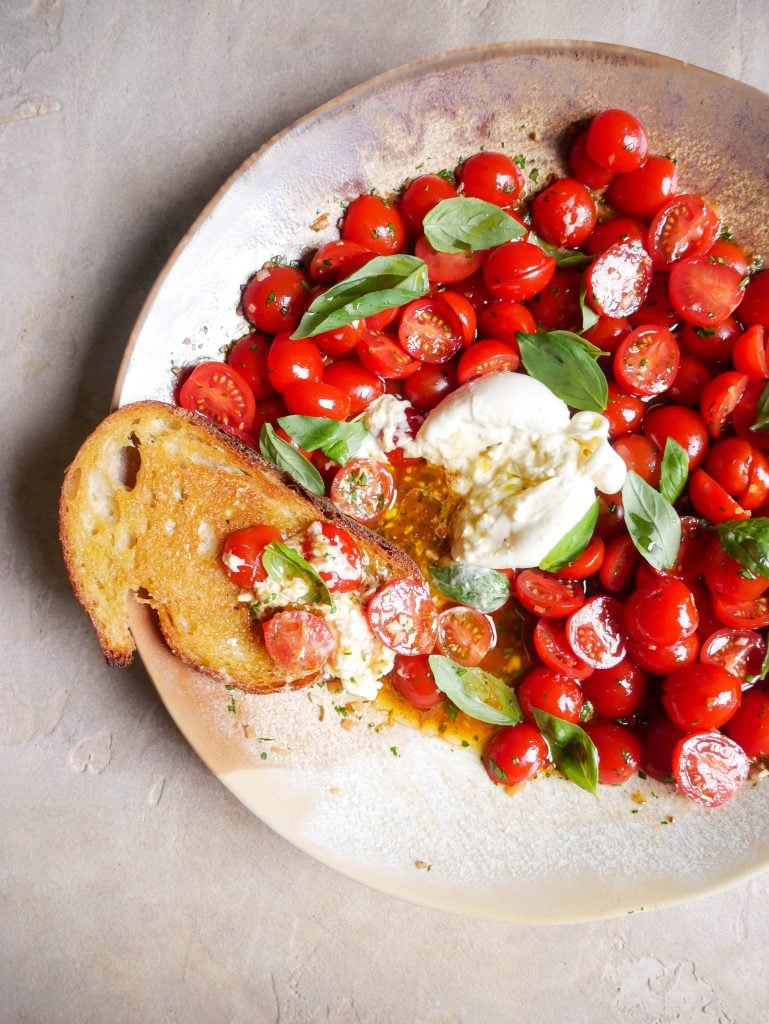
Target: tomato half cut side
(548, 596)
(749, 354)
(709, 767)
(595, 632)
(465, 635)
(744, 614)
(553, 648)
(683, 228)
(384, 357)
(430, 330)
(618, 280)
(646, 362)
(364, 490)
(299, 642)
(402, 615)
(711, 500)
(704, 293)
(719, 399)
(739, 651)
(219, 393)
(487, 356)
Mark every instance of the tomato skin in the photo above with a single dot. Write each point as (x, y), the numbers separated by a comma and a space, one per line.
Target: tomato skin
(658, 741)
(640, 455)
(619, 751)
(242, 554)
(465, 635)
(249, 357)
(298, 641)
(475, 291)
(618, 280)
(656, 310)
(317, 400)
(556, 307)
(661, 660)
(682, 425)
(739, 651)
(586, 564)
(691, 553)
(219, 393)
(517, 270)
(342, 341)
(691, 378)
(612, 232)
(741, 470)
(596, 632)
(380, 321)
(583, 167)
(292, 362)
(619, 564)
(709, 767)
(624, 412)
(752, 614)
(732, 255)
(663, 613)
(430, 330)
(503, 319)
(399, 600)
(750, 725)
(414, 681)
(545, 595)
(515, 754)
(646, 362)
(553, 648)
(557, 695)
(384, 357)
(363, 490)
(749, 354)
(375, 224)
(704, 293)
(719, 398)
(685, 227)
(711, 500)
(337, 259)
(754, 308)
(447, 267)
(274, 300)
(465, 311)
(314, 550)
(564, 214)
(699, 697)
(486, 356)
(712, 345)
(727, 579)
(428, 386)
(422, 195)
(616, 692)
(642, 192)
(607, 333)
(360, 385)
(746, 412)
(267, 411)
(493, 177)
(617, 141)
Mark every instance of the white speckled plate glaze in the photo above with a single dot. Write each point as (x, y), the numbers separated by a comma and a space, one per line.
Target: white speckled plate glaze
(551, 852)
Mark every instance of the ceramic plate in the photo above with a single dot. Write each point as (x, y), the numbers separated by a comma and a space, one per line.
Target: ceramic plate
(400, 811)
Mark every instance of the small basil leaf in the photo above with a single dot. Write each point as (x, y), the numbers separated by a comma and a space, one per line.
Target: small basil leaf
(283, 563)
(674, 472)
(761, 674)
(566, 367)
(385, 282)
(562, 257)
(464, 224)
(484, 589)
(337, 439)
(652, 522)
(573, 543)
(478, 694)
(747, 542)
(283, 455)
(572, 750)
(762, 411)
(589, 316)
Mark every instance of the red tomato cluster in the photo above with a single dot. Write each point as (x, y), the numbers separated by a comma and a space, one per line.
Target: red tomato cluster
(660, 660)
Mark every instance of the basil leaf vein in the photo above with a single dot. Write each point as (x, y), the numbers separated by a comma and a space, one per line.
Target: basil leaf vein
(652, 522)
(385, 282)
(562, 362)
(283, 455)
(465, 224)
(477, 693)
(283, 563)
(484, 589)
(573, 543)
(337, 439)
(674, 471)
(747, 542)
(572, 750)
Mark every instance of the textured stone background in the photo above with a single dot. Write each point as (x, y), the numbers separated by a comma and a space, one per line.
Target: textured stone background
(132, 886)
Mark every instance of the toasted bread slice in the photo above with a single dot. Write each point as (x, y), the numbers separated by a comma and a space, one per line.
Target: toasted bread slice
(145, 508)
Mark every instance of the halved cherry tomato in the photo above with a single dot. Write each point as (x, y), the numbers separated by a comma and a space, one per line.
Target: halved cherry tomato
(711, 344)
(298, 641)
(661, 660)
(493, 177)
(744, 614)
(424, 193)
(242, 554)
(517, 270)
(414, 681)
(711, 500)
(616, 692)
(739, 651)
(360, 385)
(364, 490)
(341, 341)
(641, 455)
(381, 321)
(731, 255)
(709, 767)
(618, 280)
(336, 260)
(218, 392)
(586, 564)
(700, 697)
(611, 232)
(741, 469)
(447, 267)
(749, 353)
(274, 300)
(515, 754)
(249, 357)
(465, 310)
(384, 357)
(656, 310)
(754, 308)
(745, 415)
(317, 400)
(465, 635)
(692, 551)
(486, 356)
(503, 319)
(704, 293)
(646, 362)
(624, 412)
(544, 594)
(617, 141)
(619, 564)
(720, 397)
(583, 167)
(642, 192)
(375, 224)
(608, 332)
(683, 228)
(335, 554)
(293, 361)
(564, 214)
(691, 378)
(595, 632)
(619, 751)
(683, 425)
(403, 616)
(553, 648)
(557, 695)
(430, 330)
(750, 725)
(663, 613)
(428, 385)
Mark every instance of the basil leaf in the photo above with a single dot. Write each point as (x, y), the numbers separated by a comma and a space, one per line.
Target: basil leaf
(565, 366)
(283, 455)
(762, 411)
(562, 257)
(337, 439)
(479, 694)
(283, 563)
(674, 472)
(589, 316)
(761, 674)
(572, 750)
(572, 543)
(652, 522)
(385, 282)
(484, 589)
(576, 339)
(464, 224)
(747, 542)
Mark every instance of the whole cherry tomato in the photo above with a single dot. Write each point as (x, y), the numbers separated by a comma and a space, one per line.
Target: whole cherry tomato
(564, 214)
(375, 224)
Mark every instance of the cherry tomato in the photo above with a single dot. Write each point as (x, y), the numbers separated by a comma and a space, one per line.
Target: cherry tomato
(428, 386)
(335, 554)
(557, 305)
(447, 267)
(298, 641)
(624, 412)
(422, 195)
(475, 291)
(619, 751)
(619, 564)
(709, 767)
(704, 293)
(517, 270)
(219, 393)
(363, 490)
(249, 357)
(685, 227)
(739, 651)
(731, 255)
(656, 310)
(336, 260)
(749, 354)
(544, 594)
(486, 356)
(607, 333)
(267, 411)
(586, 564)
(711, 344)
(465, 635)
(616, 692)
(553, 648)
(741, 469)
(503, 320)
(430, 330)
(583, 167)
(414, 681)
(711, 500)
(403, 616)
(719, 399)
(727, 579)
(663, 613)
(595, 632)
(317, 400)
(691, 378)
(242, 554)
(617, 141)
(375, 224)
(360, 385)
(341, 341)
(750, 725)
(640, 455)
(682, 425)
(642, 192)
(700, 697)
(646, 362)
(274, 300)
(618, 280)
(658, 741)
(515, 754)
(292, 362)
(493, 177)
(691, 552)
(752, 614)
(465, 310)
(661, 660)
(612, 232)
(754, 308)
(564, 214)
(557, 695)
(745, 415)
(380, 354)
(381, 320)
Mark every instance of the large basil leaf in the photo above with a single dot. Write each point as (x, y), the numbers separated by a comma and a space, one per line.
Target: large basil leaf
(337, 439)
(566, 367)
(464, 224)
(652, 522)
(479, 694)
(573, 543)
(572, 750)
(747, 542)
(674, 471)
(484, 589)
(283, 455)
(385, 282)
(283, 563)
